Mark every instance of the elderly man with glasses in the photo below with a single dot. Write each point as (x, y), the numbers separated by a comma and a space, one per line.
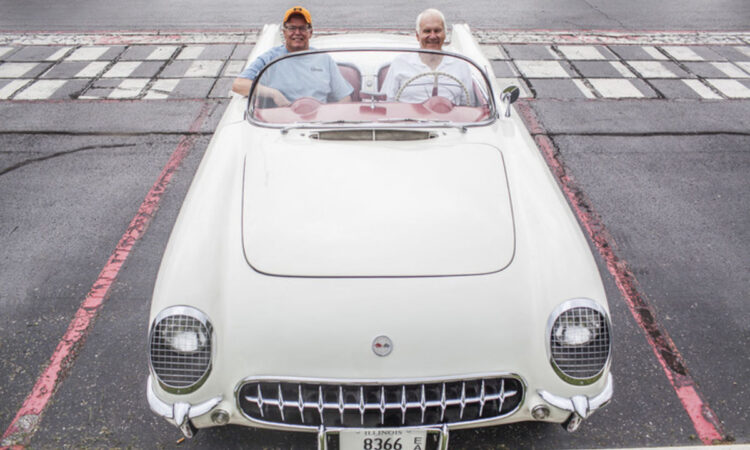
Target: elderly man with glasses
(313, 75)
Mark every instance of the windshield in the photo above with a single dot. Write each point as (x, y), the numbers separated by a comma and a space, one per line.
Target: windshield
(342, 87)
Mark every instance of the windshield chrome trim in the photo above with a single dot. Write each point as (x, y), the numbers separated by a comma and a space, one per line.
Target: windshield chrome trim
(492, 116)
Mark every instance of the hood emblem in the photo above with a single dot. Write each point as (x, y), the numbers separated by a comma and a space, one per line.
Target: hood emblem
(382, 346)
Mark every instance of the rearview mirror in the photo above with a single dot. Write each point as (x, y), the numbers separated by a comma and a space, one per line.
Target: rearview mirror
(509, 96)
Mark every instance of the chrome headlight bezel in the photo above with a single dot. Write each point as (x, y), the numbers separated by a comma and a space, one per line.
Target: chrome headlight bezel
(157, 342)
(604, 327)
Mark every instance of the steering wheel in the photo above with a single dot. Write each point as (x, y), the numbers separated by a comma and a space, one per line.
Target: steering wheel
(435, 74)
(304, 105)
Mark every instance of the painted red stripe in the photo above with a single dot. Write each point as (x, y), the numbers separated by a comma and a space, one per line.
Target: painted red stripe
(29, 415)
(704, 419)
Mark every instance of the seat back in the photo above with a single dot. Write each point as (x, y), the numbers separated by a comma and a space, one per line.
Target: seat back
(353, 76)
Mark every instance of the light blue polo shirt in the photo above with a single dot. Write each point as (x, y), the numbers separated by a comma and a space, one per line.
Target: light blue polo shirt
(314, 76)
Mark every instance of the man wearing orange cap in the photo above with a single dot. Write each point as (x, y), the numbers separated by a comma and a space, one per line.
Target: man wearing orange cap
(314, 76)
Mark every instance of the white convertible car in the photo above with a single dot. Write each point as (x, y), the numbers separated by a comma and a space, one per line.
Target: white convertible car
(378, 271)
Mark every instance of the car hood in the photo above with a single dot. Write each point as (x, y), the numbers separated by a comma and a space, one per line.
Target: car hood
(369, 209)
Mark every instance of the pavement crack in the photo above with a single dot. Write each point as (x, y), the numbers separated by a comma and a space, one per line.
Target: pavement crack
(58, 154)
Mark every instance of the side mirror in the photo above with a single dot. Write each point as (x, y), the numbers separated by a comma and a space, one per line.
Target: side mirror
(508, 97)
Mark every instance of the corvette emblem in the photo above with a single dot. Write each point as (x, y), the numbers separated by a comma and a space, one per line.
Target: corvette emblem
(382, 346)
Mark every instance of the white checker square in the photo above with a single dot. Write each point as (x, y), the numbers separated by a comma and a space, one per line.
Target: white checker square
(682, 53)
(730, 69)
(15, 70)
(731, 88)
(615, 88)
(652, 69)
(542, 69)
(581, 52)
(40, 90)
(87, 54)
(129, 88)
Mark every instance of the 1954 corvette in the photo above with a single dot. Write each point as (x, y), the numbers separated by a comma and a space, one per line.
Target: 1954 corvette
(378, 272)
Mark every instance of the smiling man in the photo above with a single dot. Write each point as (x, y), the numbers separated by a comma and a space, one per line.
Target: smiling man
(314, 75)
(415, 77)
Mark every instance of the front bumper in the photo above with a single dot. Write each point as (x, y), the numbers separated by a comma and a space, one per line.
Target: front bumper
(580, 407)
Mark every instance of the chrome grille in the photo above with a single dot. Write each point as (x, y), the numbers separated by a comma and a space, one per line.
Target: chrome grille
(583, 361)
(379, 405)
(180, 370)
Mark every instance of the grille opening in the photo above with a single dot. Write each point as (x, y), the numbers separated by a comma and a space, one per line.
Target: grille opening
(373, 406)
(373, 135)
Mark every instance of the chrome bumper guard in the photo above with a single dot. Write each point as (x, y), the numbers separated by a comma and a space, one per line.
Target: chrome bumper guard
(580, 406)
(179, 413)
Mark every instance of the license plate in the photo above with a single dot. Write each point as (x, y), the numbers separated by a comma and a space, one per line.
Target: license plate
(383, 439)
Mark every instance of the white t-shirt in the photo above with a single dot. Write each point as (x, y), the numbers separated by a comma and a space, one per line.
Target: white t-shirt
(408, 65)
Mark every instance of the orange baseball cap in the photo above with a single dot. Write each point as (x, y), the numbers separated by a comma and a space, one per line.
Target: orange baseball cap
(298, 10)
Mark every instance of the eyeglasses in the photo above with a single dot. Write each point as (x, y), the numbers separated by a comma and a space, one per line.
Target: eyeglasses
(292, 29)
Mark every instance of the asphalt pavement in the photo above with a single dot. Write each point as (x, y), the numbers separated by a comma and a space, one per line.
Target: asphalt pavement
(649, 131)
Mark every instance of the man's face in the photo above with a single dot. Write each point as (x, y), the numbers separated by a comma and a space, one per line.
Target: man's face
(431, 34)
(297, 34)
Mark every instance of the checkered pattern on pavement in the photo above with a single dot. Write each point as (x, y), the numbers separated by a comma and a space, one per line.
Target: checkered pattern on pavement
(666, 69)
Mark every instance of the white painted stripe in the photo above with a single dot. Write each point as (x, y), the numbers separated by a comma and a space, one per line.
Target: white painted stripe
(493, 52)
(87, 53)
(4, 50)
(162, 53)
(204, 69)
(15, 70)
(745, 65)
(615, 88)
(58, 54)
(652, 69)
(701, 89)
(191, 52)
(40, 90)
(8, 90)
(682, 53)
(129, 88)
(655, 53)
(552, 52)
(122, 69)
(542, 69)
(161, 89)
(730, 69)
(234, 68)
(730, 88)
(744, 49)
(502, 83)
(583, 88)
(92, 70)
(622, 69)
(580, 52)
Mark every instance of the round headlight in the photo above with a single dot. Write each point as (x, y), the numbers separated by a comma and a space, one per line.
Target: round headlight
(579, 345)
(180, 348)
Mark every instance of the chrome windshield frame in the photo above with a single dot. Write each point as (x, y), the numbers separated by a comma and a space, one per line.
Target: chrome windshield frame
(492, 116)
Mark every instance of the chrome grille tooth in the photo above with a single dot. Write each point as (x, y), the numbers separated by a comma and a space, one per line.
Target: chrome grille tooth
(403, 404)
(362, 405)
(382, 405)
(442, 404)
(260, 401)
(280, 404)
(301, 403)
(320, 404)
(481, 399)
(463, 400)
(341, 403)
(422, 404)
(501, 397)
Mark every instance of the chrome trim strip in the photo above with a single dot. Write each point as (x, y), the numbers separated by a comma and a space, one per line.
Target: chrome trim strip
(581, 405)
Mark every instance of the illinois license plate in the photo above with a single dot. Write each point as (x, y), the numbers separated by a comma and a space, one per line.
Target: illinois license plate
(383, 439)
